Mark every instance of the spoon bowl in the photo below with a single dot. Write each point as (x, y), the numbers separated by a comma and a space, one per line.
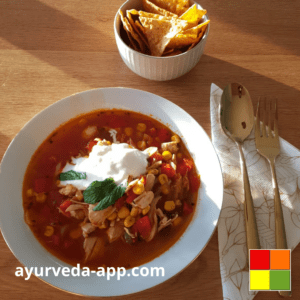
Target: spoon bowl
(237, 120)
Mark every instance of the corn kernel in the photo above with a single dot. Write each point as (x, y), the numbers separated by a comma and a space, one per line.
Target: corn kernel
(129, 221)
(165, 189)
(141, 127)
(41, 197)
(112, 217)
(153, 171)
(30, 193)
(163, 178)
(175, 138)
(49, 231)
(167, 155)
(128, 131)
(134, 212)
(138, 188)
(103, 225)
(177, 221)
(146, 210)
(123, 212)
(142, 145)
(179, 155)
(178, 202)
(169, 205)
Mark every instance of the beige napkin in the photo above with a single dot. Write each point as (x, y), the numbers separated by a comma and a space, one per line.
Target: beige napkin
(231, 230)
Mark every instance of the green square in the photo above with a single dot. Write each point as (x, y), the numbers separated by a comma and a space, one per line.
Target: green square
(280, 280)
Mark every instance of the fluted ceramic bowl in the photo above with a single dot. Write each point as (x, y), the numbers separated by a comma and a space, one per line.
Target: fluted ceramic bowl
(152, 67)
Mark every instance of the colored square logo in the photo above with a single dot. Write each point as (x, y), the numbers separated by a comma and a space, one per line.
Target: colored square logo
(280, 280)
(270, 270)
(260, 259)
(280, 260)
(259, 280)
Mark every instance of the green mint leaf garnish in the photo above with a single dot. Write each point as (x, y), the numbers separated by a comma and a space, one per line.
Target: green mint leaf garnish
(105, 192)
(71, 175)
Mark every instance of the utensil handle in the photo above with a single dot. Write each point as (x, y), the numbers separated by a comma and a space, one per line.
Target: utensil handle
(250, 220)
(280, 236)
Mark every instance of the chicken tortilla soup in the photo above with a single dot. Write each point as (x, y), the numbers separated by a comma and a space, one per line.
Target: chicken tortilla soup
(110, 188)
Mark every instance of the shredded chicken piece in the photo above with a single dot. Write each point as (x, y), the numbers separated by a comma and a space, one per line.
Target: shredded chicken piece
(113, 134)
(143, 200)
(174, 159)
(131, 184)
(79, 195)
(150, 151)
(155, 165)
(115, 232)
(129, 233)
(89, 132)
(98, 217)
(170, 146)
(178, 187)
(87, 228)
(78, 214)
(69, 190)
(150, 180)
(153, 219)
(73, 207)
(78, 211)
(185, 183)
(164, 221)
(94, 247)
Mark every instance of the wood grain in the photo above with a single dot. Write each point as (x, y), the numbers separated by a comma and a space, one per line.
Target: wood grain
(49, 50)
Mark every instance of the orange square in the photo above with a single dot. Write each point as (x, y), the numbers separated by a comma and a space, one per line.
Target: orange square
(280, 259)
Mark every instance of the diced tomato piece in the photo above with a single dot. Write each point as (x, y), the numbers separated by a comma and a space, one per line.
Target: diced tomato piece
(43, 185)
(164, 135)
(152, 132)
(184, 166)
(168, 170)
(194, 182)
(64, 206)
(130, 196)
(90, 145)
(144, 226)
(156, 156)
(187, 209)
(120, 202)
(117, 121)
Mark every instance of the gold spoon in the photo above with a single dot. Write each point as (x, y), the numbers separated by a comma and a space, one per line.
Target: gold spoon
(237, 120)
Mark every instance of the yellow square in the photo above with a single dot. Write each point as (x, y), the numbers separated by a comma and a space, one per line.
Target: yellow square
(259, 280)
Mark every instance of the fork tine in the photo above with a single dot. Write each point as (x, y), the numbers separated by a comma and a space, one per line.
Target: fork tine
(257, 125)
(276, 120)
(270, 115)
(264, 118)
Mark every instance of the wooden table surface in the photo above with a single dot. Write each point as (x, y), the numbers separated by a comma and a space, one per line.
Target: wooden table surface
(52, 49)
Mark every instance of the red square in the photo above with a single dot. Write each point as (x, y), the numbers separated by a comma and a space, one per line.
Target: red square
(259, 259)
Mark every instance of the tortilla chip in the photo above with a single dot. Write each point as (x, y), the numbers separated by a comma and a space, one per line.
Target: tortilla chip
(136, 29)
(160, 32)
(149, 15)
(193, 15)
(202, 32)
(182, 40)
(177, 7)
(128, 28)
(196, 30)
(152, 8)
(131, 40)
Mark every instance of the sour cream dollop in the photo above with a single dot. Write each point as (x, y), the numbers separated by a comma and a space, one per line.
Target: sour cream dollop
(116, 161)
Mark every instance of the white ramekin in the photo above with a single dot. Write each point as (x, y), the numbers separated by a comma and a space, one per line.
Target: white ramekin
(152, 67)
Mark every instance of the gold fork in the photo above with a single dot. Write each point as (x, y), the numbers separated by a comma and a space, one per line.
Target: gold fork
(268, 146)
